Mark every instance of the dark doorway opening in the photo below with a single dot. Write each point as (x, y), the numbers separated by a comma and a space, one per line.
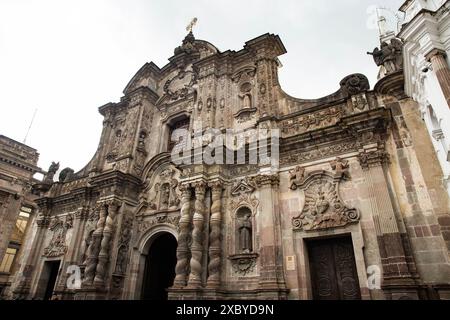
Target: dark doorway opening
(51, 269)
(160, 267)
(333, 269)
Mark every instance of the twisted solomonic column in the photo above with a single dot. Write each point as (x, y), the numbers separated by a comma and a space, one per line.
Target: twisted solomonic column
(195, 278)
(103, 257)
(215, 237)
(181, 270)
(94, 247)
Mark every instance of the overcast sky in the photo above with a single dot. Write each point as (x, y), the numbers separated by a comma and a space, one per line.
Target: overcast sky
(67, 58)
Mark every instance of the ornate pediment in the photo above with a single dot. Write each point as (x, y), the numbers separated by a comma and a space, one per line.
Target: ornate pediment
(323, 208)
(244, 186)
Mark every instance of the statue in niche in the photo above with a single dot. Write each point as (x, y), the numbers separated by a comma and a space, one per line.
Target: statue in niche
(141, 142)
(153, 204)
(165, 196)
(121, 264)
(245, 231)
(246, 102)
(174, 200)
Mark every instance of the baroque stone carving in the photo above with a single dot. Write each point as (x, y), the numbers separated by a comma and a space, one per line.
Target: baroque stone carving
(245, 263)
(323, 207)
(389, 55)
(146, 225)
(180, 86)
(66, 175)
(48, 178)
(354, 84)
(57, 246)
(123, 245)
(312, 121)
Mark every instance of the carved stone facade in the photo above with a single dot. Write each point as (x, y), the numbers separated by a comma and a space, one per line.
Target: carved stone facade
(348, 174)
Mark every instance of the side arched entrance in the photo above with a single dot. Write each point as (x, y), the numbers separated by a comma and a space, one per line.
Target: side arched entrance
(159, 269)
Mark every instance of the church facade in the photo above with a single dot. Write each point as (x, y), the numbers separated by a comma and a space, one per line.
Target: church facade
(351, 208)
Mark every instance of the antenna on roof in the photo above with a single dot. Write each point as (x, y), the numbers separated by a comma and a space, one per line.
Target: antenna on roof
(29, 128)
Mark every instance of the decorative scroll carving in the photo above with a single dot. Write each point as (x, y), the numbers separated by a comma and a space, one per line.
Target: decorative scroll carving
(159, 219)
(244, 264)
(313, 121)
(323, 207)
(181, 85)
(57, 246)
(298, 157)
(355, 84)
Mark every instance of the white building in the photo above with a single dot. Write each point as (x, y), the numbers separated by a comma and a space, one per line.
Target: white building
(426, 36)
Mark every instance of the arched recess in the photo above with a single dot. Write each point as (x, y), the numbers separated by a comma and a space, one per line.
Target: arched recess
(160, 192)
(140, 257)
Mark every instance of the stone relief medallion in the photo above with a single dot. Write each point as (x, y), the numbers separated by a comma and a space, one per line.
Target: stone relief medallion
(323, 207)
(244, 264)
(179, 86)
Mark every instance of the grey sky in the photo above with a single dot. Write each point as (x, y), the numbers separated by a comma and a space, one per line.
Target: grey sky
(67, 58)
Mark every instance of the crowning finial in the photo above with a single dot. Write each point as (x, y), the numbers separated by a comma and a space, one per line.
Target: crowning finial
(191, 25)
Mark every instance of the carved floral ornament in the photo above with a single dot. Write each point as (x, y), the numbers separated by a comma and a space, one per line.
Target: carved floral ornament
(323, 209)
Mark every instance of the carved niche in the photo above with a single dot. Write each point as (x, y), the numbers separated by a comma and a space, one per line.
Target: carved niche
(243, 206)
(245, 83)
(57, 246)
(323, 209)
(161, 192)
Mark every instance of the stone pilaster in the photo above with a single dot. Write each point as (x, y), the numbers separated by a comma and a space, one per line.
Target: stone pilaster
(271, 283)
(94, 247)
(442, 70)
(183, 251)
(215, 237)
(104, 255)
(23, 289)
(195, 278)
(396, 267)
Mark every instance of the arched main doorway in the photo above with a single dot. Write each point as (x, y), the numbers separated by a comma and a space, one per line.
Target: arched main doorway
(159, 267)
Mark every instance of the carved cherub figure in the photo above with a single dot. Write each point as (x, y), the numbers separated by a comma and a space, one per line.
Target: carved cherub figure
(340, 167)
(296, 177)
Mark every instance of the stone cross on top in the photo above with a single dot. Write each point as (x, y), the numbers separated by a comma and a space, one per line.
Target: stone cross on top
(191, 25)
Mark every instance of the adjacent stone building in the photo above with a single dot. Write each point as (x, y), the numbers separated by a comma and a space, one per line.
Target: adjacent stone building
(355, 208)
(18, 164)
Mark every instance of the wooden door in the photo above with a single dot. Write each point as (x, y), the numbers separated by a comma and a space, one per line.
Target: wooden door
(333, 270)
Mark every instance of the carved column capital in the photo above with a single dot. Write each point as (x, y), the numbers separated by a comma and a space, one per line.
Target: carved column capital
(266, 180)
(435, 53)
(200, 187)
(373, 158)
(216, 186)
